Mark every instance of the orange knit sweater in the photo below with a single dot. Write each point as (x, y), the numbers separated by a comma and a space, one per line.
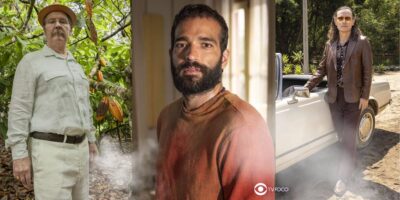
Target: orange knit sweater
(220, 150)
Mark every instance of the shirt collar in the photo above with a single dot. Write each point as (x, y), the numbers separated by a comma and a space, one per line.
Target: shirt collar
(47, 51)
(344, 45)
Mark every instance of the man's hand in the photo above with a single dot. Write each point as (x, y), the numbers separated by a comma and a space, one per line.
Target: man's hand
(22, 171)
(92, 152)
(363, 104)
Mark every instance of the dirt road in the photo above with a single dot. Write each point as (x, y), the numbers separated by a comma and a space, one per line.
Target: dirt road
(377, 176)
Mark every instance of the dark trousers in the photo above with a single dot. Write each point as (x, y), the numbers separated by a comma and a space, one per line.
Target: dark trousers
(345, 118)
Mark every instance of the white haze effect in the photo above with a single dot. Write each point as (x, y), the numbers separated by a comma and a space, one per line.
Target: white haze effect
(132, 172)
(115, 165)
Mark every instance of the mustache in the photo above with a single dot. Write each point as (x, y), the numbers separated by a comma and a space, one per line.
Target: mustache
(58, 32)
(195, 64)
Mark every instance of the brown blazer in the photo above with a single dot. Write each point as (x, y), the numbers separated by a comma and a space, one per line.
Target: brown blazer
(357, 72)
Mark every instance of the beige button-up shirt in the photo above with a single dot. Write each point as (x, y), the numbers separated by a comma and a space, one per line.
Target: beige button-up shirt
(50, 94)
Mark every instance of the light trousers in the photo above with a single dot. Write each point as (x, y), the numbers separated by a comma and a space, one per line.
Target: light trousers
(60, 170)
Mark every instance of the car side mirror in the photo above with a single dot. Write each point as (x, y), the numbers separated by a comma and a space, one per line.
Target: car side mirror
(302, 92)
(299, 92)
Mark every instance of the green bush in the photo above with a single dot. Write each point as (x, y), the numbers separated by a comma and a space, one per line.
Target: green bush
(298, 69)
(313, 68)
(380, 68)
(288, 69)
(293, 64)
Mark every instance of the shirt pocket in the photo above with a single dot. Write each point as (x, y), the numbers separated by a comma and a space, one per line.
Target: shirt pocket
(52, 75)
(56, 80)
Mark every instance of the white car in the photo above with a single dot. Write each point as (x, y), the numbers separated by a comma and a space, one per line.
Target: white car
(304, 125)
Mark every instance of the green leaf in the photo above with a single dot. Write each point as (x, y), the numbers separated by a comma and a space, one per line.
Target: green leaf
(5, 38)
(115, 49)
(19, 47)
(5, 58)
(3, 130)
(77, 31)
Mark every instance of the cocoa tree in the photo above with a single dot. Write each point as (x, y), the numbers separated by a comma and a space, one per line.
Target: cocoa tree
(100, 43)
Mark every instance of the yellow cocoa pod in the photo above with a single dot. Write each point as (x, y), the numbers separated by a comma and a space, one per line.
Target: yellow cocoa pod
(99, 76)
(115, 110)
(102, 62)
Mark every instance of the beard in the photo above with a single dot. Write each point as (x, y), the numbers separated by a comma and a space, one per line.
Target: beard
(188, 85)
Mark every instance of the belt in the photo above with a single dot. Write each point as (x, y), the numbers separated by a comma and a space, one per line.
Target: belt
(57, 137)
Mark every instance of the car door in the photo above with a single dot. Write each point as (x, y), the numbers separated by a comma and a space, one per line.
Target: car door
(302, 128)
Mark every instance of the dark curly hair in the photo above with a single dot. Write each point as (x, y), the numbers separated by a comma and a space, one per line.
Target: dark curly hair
(200, 10)
(333, 33)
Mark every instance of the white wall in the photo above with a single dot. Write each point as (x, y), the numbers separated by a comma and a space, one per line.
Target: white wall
(167, 9)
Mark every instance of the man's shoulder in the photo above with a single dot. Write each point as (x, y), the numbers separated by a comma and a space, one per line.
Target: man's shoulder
(362, 39)
(243, 110)
(31, 56)
(362, 42)
(245, 120)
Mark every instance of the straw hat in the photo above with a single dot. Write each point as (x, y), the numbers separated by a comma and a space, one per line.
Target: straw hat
(56, 7)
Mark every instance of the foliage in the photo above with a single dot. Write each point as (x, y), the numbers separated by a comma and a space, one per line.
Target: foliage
(294, 64)
(379, 68)
(287, 67)
(378, 19)
(288, 25)
(297, 57)
(380, 22)
(313, 68)
(298, 69)
(21, 33)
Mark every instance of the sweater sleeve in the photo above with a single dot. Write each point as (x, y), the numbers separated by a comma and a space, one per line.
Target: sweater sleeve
(246, 164)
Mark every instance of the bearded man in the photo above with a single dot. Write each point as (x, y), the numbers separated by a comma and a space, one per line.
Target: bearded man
(50, 113)
(213, 145)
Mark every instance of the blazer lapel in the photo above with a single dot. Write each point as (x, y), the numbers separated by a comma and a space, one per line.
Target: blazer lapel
(349, 51)
(333, 55)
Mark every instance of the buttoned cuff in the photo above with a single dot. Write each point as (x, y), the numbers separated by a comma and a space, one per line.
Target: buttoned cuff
(91, 137)
(19, 151)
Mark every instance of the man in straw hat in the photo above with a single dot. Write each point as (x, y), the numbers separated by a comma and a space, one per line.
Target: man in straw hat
(50, 106)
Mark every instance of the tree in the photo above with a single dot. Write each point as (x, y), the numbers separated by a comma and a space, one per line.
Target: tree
(101, 32)
(378, 19)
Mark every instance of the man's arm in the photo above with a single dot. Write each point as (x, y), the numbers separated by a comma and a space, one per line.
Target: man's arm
(321, 70)
(20, 109)
(246, 159)
(92, 132)
(367, 68)
(19, 115)
(93, 151)
(367, 71)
